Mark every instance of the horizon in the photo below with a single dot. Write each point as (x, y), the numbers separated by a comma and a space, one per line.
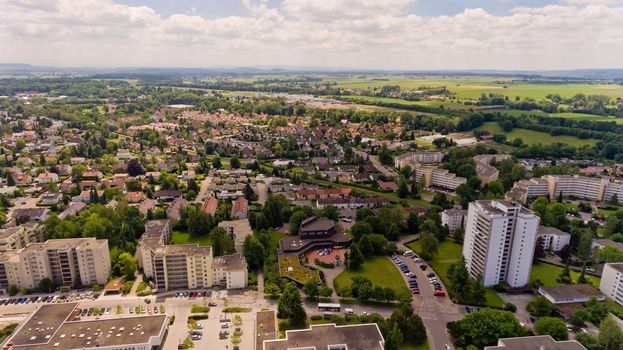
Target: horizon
(396, 35)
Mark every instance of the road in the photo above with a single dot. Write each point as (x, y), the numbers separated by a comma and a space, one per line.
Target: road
(204, 189)
(435, 312)
(377, 164)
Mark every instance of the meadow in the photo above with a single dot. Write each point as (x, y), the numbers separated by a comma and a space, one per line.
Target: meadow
(530, 137)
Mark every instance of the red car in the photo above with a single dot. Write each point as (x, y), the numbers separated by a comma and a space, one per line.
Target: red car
(440, 293)
(415, 291)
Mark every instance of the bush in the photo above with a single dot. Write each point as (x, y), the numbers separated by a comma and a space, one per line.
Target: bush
(127, 287)
(232, 310)
(171, 320)
(196, 309)
(510, 307)
(316, 317)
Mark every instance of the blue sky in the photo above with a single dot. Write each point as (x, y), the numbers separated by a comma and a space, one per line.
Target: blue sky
(357, 34)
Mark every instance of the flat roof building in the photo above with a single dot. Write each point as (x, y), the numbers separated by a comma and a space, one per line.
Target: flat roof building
(612, 282)
(540, 342)
(570, 293)
(552, 238)
(238, 230)
(330, 337)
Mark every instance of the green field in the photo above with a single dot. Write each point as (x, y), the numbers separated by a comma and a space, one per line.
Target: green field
(447, 254)
(548, 274)
(178, 237)
(432, 104)
(576, 116)
(530, 137)
(379, 270)
(473, 87)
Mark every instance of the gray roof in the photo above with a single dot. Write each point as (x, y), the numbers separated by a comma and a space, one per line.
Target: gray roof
(355, 337)
(535, 343)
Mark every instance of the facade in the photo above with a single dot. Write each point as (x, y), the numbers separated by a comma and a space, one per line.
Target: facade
(418, 157)
(551, 237)
(570, 293)
(64, 261)
(18, 237)
(453, 218)
(537, 342)
(186, 266)
(436, 177)
(612, 282)
(238, 230)
(500, 237)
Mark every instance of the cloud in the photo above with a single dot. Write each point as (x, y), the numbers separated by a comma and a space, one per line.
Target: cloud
(308, 33)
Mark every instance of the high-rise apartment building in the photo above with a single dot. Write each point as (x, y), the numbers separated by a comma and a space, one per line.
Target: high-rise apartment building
(67, 262)
(500, 237)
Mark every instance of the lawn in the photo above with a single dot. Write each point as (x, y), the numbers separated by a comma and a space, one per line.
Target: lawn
(530, 137)
(448, 253)
(379, 270)
(179, 237)
(548, 274)
(290, 267)
(568, 115)
(414, 347)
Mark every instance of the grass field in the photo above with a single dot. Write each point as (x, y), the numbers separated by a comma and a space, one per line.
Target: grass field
(379, 270)
(530, 137)
(473, 87)
(576, 116)
(447, 254)
(433, 104)
(548, 274)
(178, 237)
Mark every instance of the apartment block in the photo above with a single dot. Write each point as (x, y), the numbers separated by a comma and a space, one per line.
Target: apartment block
(69, 262)
(418, 157)
(238, 230)
(551, 237)
(485, 171)
(436, 177)
(583, 187)
(453, 218)
(157, 232)
(500, 237)
(612, 282)
(18, 237)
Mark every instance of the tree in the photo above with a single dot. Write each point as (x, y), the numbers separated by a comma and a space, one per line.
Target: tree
(479, 291)
(199, 223)
(126, 265)
(295, 221)
(355, 257)
(253, 252)
(565, 275)
(403, 188)
(13, 290)
(360, 229)
(77, 171)
(290, 306)
(458, 276)
(394, 339)
(484, 327)
(310, 288)
(409, 323)
(610, 334)
(134, 167)
(216, 163)
(614, 200)
(234, 162)
(610, 254)
(540, 307)
(330, 212)
(249, 194)
(326, 292)
(222, 243)
(589, 342)
(596, 311)
(46, 285)
(429, 245)
(551, 326)
(385, 156)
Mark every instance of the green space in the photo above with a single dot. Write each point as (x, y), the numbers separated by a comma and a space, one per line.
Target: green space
(379, 270)
(414, 347)
(231, 310)
(196, 309)
(548, 273)
(473, 87)
(576, 116)
(290, 267)
(448, 253)
(432, 104)
(530, 137)
(179, 237)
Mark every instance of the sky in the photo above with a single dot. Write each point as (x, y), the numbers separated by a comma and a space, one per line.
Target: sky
(319, 34)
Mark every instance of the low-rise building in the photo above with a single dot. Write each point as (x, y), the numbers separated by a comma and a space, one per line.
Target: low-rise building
(453, 218)
(437, 177)
(238, 230)
(537, 342)
(31, 214)
(570, 293)
(51, 198)
(612, 282)
(352, 202)
(552, 238)
(230, 271)
(240, 208)
(418, 157)
(331, 337)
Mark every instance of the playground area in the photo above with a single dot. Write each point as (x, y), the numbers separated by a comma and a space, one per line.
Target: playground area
(327, 255)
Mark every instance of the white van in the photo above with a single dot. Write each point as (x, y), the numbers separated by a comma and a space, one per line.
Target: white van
(349, 311)
(408, 252)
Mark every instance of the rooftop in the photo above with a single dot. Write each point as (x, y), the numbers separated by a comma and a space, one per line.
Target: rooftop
(354, 337)
(182, 249)
(617, 266)
(231, 262)
(545, 230)
(316, 224)
(571, 291)
(535, 343)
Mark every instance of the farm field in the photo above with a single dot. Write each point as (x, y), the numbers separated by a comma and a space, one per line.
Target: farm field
(379, 270)
(576, 116)
(530, 137)
(433, 104)
(473, 87)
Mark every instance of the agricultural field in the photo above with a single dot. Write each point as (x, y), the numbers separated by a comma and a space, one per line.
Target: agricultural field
(473, 87)
(575, 116)
(433, 104)
(530, 137)
(379, 270)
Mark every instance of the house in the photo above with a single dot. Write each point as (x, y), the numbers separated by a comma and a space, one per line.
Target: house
(85, 196)
(167, 195)
(240, 208)
(92, 175)
(188, 175)
(22, 179)
(51, 198)
(134, 197)
(387, 185)
(30, 214)
(46, 178)
(210, 205)
(174, 209)
(359, 177)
